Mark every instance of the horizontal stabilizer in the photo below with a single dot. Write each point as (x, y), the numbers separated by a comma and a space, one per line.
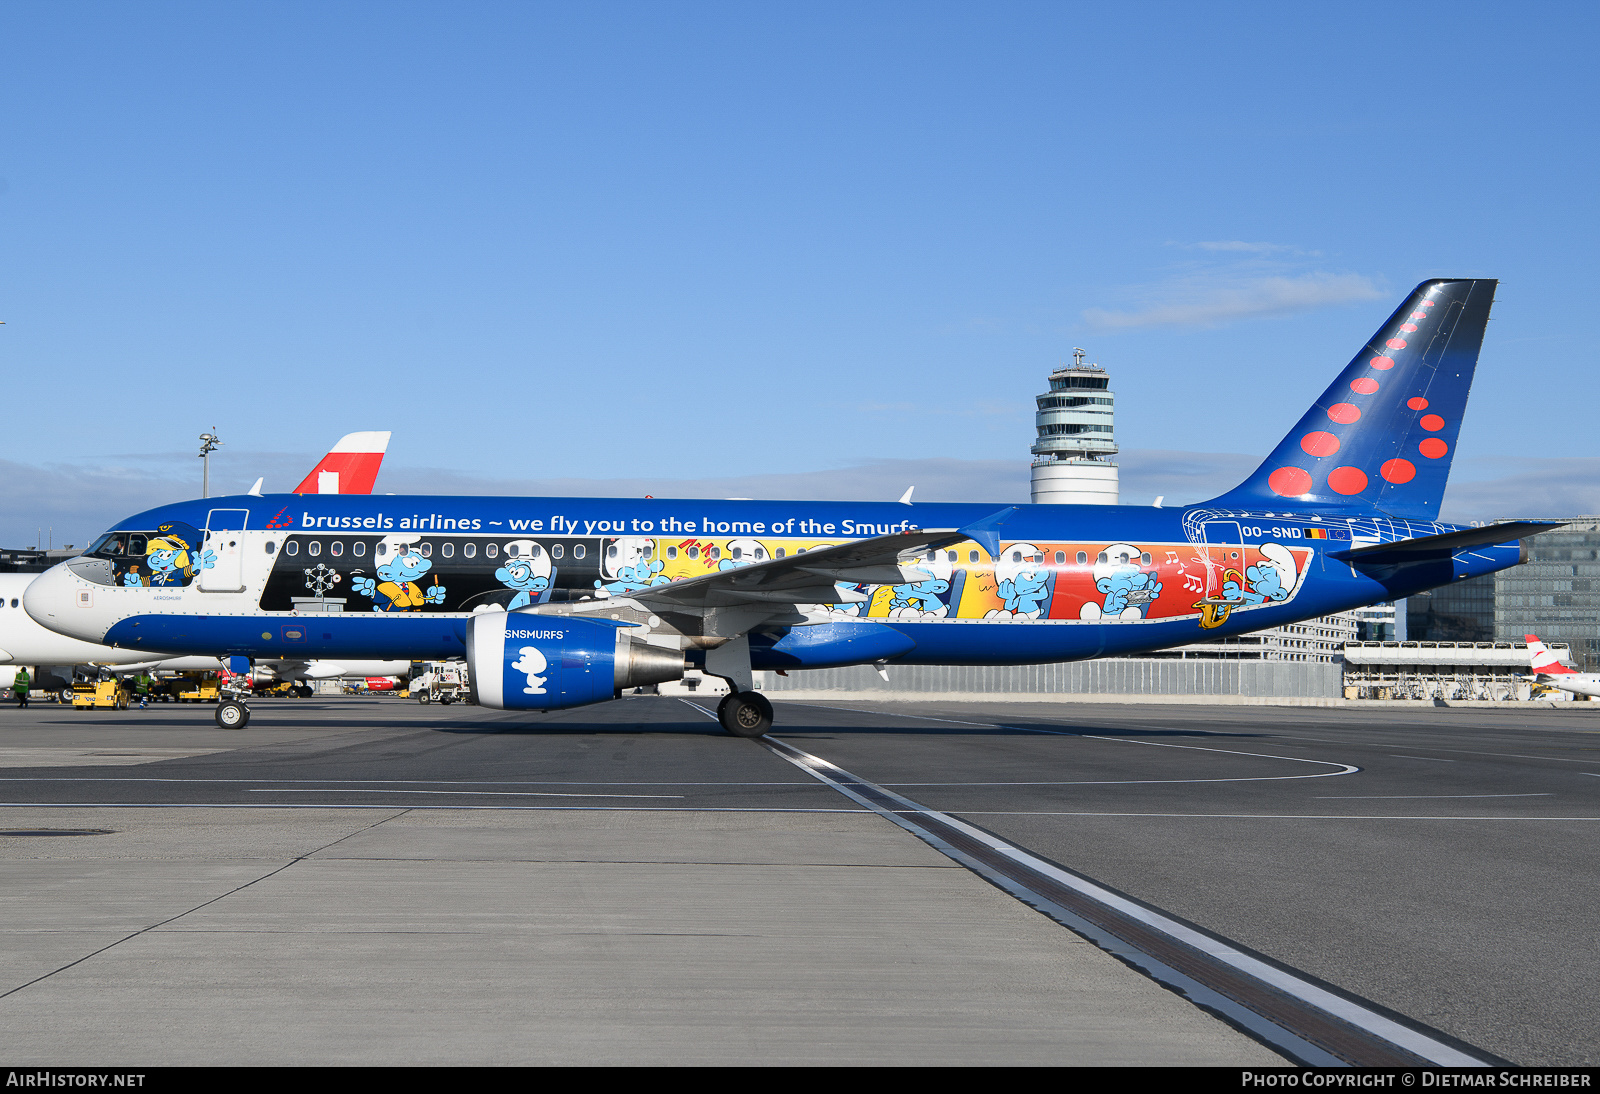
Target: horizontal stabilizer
(1423, 548)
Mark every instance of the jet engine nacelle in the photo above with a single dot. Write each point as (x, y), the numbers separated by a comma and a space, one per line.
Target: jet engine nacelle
(519, 661)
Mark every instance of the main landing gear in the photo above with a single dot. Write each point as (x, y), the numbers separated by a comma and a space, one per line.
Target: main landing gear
(232, 714)
(745, 714)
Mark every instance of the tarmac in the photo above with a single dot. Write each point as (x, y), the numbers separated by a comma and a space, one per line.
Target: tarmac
(368, 881)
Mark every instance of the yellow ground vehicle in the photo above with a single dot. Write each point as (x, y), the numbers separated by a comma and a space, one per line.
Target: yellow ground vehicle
(199, 688)
(100, 695)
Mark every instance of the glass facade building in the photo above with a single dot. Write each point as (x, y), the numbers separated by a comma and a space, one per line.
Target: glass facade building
(1463, 612)
(1556, 593)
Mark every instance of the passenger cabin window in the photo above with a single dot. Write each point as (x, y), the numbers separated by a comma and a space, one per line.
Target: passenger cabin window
(780, 552)
(271, 547)
(761, 553)
(291, 548)
(1145, 558)
(337, 548)
(611, 551)
(972, 556)
(1061, 558)
(714, 553)
(577, 550)
(448, 550)
(535, 551)
(556, 550)
(694, 552)
(427, 550)
(383, 549)
(492, 550)
(738, 552)
(470, 550)
(359, 550)
(1083, 558)
(672, 552)
(315, 549)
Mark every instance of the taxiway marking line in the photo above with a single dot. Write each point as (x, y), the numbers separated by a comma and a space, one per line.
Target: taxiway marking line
(1376, 1027)
(1400, 797)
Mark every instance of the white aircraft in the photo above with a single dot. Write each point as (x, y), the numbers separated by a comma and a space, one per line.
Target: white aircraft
(1548, 669)
(350, 467)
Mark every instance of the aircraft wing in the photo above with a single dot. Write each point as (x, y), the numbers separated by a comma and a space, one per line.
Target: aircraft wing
(804, 578)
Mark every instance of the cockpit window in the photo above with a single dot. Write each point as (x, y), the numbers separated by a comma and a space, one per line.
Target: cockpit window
(166, 557)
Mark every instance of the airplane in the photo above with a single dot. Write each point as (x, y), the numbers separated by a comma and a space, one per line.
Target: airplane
(352, 463)
(560, 602)
(1548, 669)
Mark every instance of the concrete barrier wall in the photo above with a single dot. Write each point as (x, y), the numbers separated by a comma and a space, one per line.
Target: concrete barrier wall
(1110, 677)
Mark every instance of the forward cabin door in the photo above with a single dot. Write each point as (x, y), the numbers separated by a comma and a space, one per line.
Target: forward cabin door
(1224, 552)
(223, 540)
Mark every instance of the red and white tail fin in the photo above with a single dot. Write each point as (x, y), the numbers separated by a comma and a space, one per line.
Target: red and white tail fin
(350, 467)
(1545, 662)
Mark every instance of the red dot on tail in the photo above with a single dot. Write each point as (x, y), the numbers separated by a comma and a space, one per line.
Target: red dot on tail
(1290, 482)
(1398, 471)
(1433, 448)
(1319, 443)
(1426, 304)
(1417, 403)
(1366, 385)
(1431, 422)
(1408, 327)
(1382, 364)
(1396, 343)
(1347, 480)
(1419, 315)
(1344, 413)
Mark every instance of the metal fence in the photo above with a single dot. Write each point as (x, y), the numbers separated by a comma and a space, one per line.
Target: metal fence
(1112, 676)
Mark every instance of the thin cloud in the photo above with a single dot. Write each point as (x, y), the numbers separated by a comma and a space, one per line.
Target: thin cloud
(1239, 245)
(1201, 303)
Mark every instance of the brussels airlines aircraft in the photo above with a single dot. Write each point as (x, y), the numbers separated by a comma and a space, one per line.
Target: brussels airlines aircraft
(558, 602)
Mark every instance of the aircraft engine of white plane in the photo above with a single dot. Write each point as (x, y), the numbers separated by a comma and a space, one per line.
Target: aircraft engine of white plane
(522, 661)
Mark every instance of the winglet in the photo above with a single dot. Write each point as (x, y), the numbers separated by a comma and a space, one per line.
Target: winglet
(255, 491)
(986, 532)
(905, 499)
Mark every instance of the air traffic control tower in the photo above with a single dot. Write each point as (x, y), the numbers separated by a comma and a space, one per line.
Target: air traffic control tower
(1073, 462)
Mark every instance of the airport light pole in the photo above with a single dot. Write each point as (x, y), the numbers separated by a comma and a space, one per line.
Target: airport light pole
(208, 444)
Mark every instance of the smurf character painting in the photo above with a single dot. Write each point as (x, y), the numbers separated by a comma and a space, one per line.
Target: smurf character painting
(172, 557)
(528, 571)
(399, 590)
(1128, 590)
(1022, 582)
(1271, 580)
(629, 564)
(531, 664)
(924, 599)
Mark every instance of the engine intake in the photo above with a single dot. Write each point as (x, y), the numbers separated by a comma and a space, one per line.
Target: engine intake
(520, 661)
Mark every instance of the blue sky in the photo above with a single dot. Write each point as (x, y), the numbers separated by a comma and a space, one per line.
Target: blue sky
(813, 248)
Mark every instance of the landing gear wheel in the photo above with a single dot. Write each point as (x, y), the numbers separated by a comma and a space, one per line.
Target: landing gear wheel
(233, 714)
(303, 691)
(745, 714)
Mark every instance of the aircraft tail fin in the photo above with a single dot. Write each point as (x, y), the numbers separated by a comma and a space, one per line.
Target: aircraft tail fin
(1384, 433)
(350, 467)
(1545, 661)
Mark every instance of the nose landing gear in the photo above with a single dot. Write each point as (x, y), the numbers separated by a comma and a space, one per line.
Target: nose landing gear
(232, 714)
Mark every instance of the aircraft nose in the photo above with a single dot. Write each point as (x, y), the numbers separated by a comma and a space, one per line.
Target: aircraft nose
(54, 599)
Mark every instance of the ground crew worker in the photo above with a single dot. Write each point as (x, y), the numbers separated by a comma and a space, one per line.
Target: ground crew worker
(21, 684)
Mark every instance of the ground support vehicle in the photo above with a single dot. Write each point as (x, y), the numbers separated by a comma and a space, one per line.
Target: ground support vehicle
(442, 682)
(100, 695)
